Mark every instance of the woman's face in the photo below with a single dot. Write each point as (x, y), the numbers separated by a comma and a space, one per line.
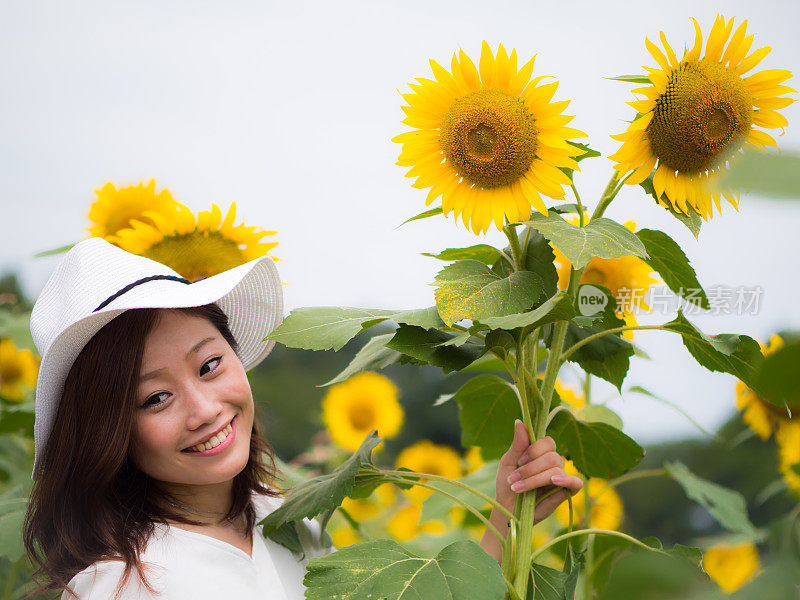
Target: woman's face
(191, 386)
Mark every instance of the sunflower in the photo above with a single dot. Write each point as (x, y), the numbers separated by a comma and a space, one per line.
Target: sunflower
(473, 459)
(697, 113)
(362, 509)
(195, 248)
(788, 439)
(344, 536)
(761, 416)
(605, 504)
(405, 525)
(731, 566)
(568, 395)
(355, 407)
(488, 140)
(18, 370)
(426, 457)
(628, 278)
(115, 208)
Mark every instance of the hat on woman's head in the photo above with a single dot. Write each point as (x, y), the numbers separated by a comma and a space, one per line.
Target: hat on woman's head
(97, 281)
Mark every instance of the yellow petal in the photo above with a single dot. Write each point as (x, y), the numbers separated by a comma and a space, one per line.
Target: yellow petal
(769, 119)
(486, 65)
(673, 61)
(751, 61)
(640, 174)
(733, 45)
(694, 53)
(657, 54)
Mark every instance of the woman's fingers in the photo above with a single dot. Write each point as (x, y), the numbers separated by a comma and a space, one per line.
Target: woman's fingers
(546, 507)
(538, 448)
(521, 442)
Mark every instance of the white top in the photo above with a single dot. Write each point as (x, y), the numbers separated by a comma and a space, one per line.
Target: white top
(185, 565)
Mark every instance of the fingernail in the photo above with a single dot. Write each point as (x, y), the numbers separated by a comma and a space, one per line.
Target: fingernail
(515, 476)
(518, 486)
(516, 421)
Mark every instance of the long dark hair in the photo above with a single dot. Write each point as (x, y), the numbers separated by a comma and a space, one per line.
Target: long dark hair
(90, 501)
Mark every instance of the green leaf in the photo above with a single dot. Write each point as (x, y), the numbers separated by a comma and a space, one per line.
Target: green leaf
(557, 308)
(692, 220)
(372, 357)
(481, 252)
(587, 153)
(552, 584)
(382, 569)
(596, 449)
(17, 327)
(286, 535)
(597, 413)
(437, 506)
(324, 492)
(53, 251)
(772, 175)
(487, 408)
(667, 258)
(727, 506)
(778, 378)
(641, 79)
(738, 355)
(428, 345)
(601, 238)
(539, 259)
(17, 418)
(563, 209)
(325, 327)
(422, 317)
(468, 289)
(423, 215)
(13, 505)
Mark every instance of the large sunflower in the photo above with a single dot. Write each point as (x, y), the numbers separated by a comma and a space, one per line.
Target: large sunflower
(698, 113)
(488, 140)
(195, 248)
(115, 208)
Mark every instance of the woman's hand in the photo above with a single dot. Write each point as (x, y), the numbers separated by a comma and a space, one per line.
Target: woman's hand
(527, 467)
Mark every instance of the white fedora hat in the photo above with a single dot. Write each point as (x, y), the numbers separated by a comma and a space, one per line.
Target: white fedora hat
(97, 281)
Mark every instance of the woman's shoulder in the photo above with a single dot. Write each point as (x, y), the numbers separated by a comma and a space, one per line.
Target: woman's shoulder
(99, 581)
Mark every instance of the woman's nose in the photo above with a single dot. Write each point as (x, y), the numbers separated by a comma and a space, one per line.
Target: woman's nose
(202, 405)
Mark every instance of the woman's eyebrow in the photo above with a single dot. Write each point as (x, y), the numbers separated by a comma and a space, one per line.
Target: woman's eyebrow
(195, 349)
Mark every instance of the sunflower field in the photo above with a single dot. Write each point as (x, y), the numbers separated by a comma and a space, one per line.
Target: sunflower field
(491, 143)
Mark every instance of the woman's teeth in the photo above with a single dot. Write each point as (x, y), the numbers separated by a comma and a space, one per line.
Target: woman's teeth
(214, 441)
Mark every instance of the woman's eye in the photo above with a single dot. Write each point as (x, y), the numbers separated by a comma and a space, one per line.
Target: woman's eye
(153, 397)
(214, 360)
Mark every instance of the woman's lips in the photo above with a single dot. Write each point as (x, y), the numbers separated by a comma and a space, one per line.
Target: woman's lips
(218, 448)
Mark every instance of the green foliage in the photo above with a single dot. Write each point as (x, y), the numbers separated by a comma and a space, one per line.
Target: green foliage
(765, 174)
(384, 569)
(587, 153)
(539, 259)
(13, 505)
(692, 220)
(597, 449)
(319, 494)
(597, 413)
(601, 238)
(372, 357)
(17, 418)
(552, 584)
(731, 353)
(667, 258)
(487, 408)
(778, 378)
(726, 506)
(640, 79)
(437, 506)
(468, 289)
(484, 253)
(557, 308)
(430, 346)
(424, 215)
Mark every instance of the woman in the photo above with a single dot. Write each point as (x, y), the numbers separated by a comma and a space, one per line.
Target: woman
(149, 455)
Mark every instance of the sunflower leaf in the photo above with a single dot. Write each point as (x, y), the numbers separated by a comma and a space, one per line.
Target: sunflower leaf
(554, 584)
(384, 569)
(587, 153)
(372, 357)
(487, 408)
(727, 506)
(481, 252)
(641, 79)
(667, 258)
(468, 289)
(736, 354)
(427, 318)
(437, 506)
(423, 215)
(539, 259)
(325, 327)
(597, 449)
(557, 308)
(693, 220)
(601, 238)
(13, 506)
(428, 345)
(321, 493)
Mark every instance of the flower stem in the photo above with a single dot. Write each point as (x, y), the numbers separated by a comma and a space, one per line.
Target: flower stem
(516, 249)
(636, 475)
(541, 549)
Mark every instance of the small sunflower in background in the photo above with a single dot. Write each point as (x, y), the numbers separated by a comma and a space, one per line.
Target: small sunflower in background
(605, 504)
(426, 457)
(568, 395)
(731, 566)
(698, 113)
(194, 247)
(353, 408)
(488, 139)
(763, 417)
(788, 439)
(114, 209)
(628, 278)
(405, 525)
(18, 371)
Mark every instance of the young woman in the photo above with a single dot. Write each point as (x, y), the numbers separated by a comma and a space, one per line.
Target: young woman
(149, 452)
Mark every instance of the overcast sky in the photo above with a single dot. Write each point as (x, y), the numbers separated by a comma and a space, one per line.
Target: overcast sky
(288, 108)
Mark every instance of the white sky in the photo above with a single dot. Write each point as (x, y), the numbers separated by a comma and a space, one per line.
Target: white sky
(288, 108)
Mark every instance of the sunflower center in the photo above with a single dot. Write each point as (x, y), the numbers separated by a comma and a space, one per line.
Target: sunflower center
(361, 416)
(198, 254)
(489, 138)
(10, 371)
(701, 119)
